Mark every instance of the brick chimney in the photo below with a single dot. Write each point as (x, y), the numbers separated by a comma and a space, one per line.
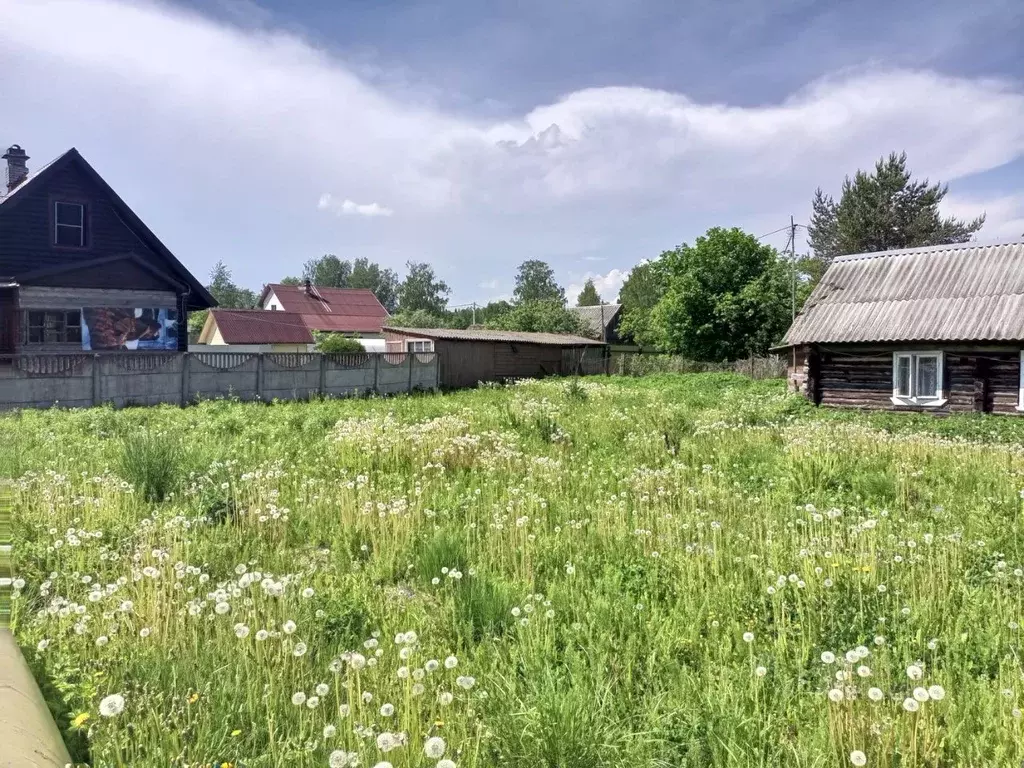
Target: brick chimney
(17, 168)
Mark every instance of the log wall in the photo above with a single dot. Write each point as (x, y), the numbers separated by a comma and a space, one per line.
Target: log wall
(975, 378)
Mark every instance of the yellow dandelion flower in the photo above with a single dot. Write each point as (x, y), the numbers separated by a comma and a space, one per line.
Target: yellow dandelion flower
(236, 732)
(79, 720)
(439, 723)
(193, 698)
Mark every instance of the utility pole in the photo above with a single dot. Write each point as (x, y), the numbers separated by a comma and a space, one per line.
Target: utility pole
(792, 259)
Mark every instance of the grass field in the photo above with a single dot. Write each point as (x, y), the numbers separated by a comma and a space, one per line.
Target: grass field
(671, 571)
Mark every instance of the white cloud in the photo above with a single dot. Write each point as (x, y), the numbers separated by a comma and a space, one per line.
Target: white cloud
(489, 285)
(221, 134)
(346, 207)
(607, 285)
(1004, 215)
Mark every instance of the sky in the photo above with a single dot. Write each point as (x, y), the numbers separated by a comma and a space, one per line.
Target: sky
(474, 136)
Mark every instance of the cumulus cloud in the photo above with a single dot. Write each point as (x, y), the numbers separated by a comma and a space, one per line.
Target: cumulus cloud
(607, 285)
(346, 207)
(1004, 215)
(244, 124)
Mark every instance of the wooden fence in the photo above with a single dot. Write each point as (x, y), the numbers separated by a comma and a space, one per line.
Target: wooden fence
(628, 363)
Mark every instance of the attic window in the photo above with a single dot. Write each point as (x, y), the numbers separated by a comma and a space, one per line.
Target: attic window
(69, 224)
(917, 378)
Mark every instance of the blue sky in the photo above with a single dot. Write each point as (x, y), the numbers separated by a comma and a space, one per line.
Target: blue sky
(476, 135)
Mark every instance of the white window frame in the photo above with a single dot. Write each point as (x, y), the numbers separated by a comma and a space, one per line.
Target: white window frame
(57, 225)
(1020, 384)
(424, 345)
(914, 356)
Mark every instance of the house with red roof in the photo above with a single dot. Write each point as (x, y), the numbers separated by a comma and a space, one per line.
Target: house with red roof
(255, 330)
(351, 311)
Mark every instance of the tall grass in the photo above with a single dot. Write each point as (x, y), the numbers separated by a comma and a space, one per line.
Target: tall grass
(694, 570)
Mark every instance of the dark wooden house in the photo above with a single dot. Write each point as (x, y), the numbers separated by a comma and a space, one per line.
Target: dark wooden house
(79, 270)
(938, 329)
(467, 357)
(601, 322)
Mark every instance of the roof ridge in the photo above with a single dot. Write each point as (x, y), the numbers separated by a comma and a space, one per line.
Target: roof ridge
(924, 249)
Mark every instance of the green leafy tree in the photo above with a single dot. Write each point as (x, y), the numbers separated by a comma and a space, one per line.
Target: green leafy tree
(535, 281)
(640, 292)
(383, 282)
(883, 210)
(290, 280)
(466, 316)
(419, 318)
(226, 292)
(727, 297)
(549, 316)
(422, 290)
(336, 343)
(589, 297)
(328, 271)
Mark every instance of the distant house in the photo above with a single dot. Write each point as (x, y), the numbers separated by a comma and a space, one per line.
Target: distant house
(601, 323)
(352, 311)
(939, 329)
(80, 270)
(255, 330)
(468, 357)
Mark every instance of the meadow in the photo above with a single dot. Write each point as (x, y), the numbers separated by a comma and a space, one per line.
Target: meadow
(695, 570)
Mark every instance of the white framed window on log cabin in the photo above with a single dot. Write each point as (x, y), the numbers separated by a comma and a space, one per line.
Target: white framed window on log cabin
(1020, 385)
(419, 346)
(917, 378)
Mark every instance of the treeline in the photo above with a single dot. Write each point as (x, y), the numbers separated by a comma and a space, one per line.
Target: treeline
(726, 296)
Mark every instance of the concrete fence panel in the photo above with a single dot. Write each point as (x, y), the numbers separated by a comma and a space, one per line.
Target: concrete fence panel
(149, 378)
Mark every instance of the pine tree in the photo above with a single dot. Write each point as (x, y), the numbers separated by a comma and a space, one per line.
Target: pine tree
(884, 210)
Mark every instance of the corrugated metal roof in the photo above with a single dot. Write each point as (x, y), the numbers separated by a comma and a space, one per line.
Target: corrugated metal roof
(591, 317)
(520, 337)
(960, 292)
(349, 310)
(257, 326)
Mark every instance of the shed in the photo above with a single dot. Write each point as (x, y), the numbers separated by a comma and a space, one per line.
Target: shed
(468, 357)
(938, 328)
(256, 330)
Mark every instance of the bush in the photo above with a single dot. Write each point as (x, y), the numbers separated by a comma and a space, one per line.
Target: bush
(337, 343)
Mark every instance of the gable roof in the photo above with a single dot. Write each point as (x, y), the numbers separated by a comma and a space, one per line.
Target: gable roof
(959, 292)
(199, 297)
(257, 326)
(592, 318)
(347, 310)
(518, 337)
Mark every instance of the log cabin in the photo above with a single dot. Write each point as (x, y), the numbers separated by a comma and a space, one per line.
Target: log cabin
(937, 329)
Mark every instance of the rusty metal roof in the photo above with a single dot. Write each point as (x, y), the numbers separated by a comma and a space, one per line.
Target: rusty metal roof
(517, 337)
(960, 292)
(258, 326)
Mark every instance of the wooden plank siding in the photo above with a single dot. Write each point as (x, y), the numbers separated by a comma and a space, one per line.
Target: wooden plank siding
(26, 237)
(979, 378)
(465, 363)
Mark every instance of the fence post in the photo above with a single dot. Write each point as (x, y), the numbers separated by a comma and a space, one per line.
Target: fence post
(751, 365)
(376, 370)
(186, 365)
(97, 381)
(259, 375)
(437, 371)
(322, 387)
(412, 356)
